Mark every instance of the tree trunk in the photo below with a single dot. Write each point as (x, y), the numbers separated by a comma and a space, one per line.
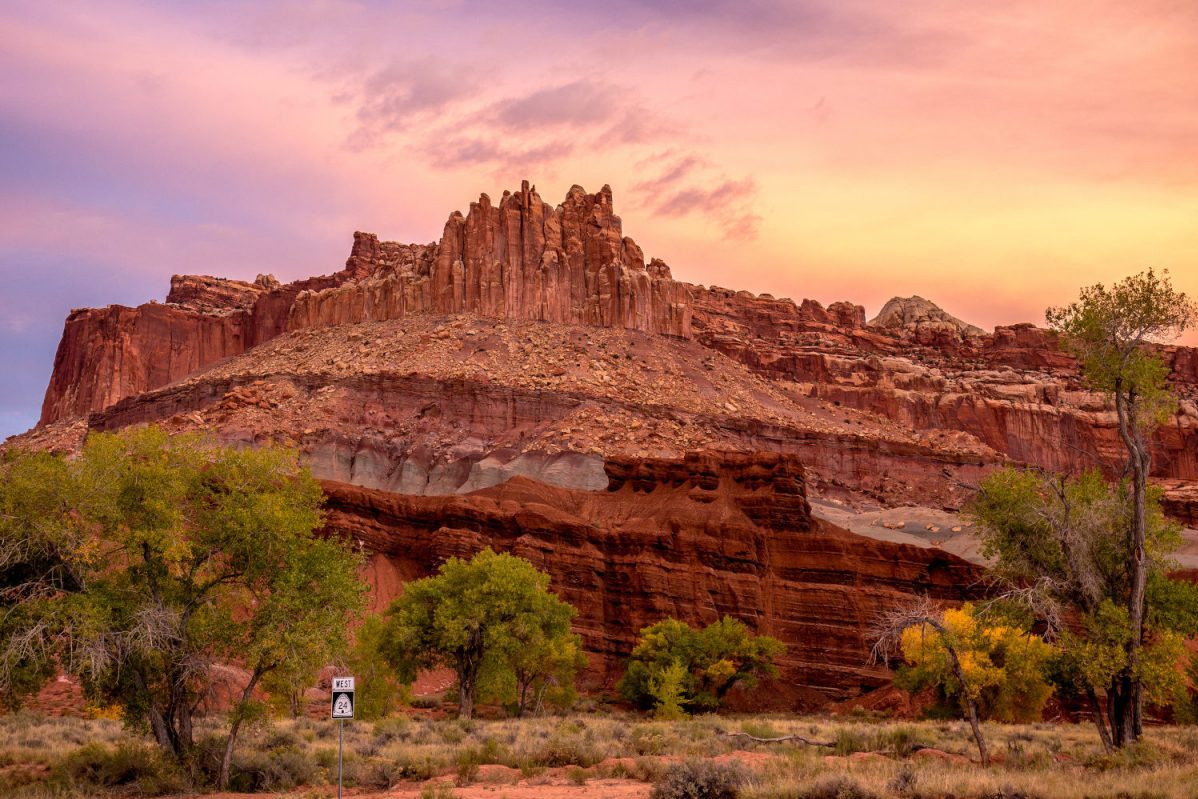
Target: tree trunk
(226, 761)
(1100, 721)
(972, 706)
(974, 725)
(1140, 458)
(466, 680)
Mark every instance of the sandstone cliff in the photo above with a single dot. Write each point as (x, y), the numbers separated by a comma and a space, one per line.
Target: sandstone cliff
(698, 537)
(522, 259)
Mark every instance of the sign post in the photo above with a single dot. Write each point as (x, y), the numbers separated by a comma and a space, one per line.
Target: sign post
(343, 708)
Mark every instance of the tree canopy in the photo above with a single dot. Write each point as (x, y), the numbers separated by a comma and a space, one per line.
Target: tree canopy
(486, 617)
(148, 559)
(1061, 546)
(1003, 664)
(707, 663)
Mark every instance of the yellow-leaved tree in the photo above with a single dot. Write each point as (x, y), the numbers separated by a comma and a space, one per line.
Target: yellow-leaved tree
(1003, 666)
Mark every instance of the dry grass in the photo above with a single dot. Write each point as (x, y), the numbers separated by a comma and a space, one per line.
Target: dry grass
(1039, 760)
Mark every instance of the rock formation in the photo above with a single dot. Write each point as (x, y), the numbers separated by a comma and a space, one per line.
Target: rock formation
(698, 537)
(520, 260)
(530, 382)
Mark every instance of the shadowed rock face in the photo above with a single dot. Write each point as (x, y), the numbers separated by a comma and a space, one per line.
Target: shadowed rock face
(698, 537)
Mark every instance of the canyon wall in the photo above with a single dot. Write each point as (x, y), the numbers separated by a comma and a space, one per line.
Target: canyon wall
(699, 537)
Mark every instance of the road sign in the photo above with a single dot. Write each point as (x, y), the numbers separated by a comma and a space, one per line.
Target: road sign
(343, 708)
(343, 697)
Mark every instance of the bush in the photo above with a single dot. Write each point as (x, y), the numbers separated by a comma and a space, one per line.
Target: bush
(836, 788)
(142, 769)
(700, 779)
(260, 771)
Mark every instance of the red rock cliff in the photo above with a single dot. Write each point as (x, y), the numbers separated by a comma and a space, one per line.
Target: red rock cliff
(522, 259)
(696, 538)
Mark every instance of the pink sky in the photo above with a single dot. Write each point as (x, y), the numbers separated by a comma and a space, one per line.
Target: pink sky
(991, 157)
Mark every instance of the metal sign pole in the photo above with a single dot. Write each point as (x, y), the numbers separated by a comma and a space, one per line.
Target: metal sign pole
(340, 746)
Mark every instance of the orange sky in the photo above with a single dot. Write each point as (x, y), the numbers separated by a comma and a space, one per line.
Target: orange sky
(991, 157)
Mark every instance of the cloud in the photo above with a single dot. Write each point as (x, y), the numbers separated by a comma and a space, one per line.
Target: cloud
(729, 202)
(578, 104)
(393, 99)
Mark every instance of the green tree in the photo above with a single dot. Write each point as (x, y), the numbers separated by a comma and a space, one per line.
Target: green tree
(1110, 331)
(378, 692)
(668, 688)
(475, 615)
(1061, 546)
(714, 659)
(150, 558)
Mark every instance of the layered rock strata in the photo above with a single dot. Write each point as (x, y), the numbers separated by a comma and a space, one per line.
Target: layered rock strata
(699, 537)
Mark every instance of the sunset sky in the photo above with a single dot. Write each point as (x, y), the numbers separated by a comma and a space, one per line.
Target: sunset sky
(992, 157)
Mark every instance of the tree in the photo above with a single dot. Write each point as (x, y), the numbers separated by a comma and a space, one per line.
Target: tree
(1109, 330)
(714, 660)
(149, 558)
(1060, 546)
(889, 632)
(474, 614)
(1002, 663)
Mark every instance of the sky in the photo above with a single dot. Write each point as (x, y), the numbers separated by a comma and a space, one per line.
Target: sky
(991, 157)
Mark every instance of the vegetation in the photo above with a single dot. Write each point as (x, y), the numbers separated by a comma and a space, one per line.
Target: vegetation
(700, 779)
(1110, 330)
(405, 756)
(675, 665)
(892, 631)
(493, 620)
(1062, 547)
(148, 559)
(1003, 664)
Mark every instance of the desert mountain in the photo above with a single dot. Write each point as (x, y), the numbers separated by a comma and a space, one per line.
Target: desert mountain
(531, 382)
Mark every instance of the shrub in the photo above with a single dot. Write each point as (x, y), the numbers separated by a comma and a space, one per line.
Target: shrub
(143, 769)
(904, 782)
(258, 771)
(1007, 792)
(838, 787)
(700, 779)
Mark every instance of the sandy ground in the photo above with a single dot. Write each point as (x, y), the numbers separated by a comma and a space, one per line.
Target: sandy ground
(593, 789)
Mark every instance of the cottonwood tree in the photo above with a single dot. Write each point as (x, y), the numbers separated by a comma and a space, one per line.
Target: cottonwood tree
(474, 615)
(1060, 546)
(712, 660)
(148, 559)
(923, 615)
(1110, 331)
(1003, 663)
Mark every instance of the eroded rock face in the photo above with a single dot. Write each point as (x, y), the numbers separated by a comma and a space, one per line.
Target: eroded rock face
(921, 319)
(521, 259)
(696, 538)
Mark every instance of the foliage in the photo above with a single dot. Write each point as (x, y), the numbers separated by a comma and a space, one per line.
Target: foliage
(1065, 541)
(147, 559)
(667, 689)
(700, 779)
(715, 659)
(1110, 330)
(1003, 665)
(96, 768)
(379, 694)
(485, 618)
(1107, 329)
